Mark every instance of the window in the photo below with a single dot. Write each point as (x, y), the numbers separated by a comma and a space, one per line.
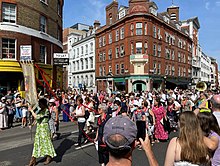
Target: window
(117, 69)
(91, 47)
(100, 57)
(82, 50)
(43, 54)
(82, 65)
(8, 48)
(104, 41)
(104, 57)
(110, 54)
(139, 28)
(173, 70)
(166, 70)
(139, 48)
(158, 68)
(100, 42)
(158, 33)
(74, 66)
(155, 50)
(132, 48)
(91, 63)
(43, 23)
(122, 50)
(77, 65)
(159, 51)
(87, 66)
(117, 35)
(122, 68)
(155, 67)
(173, 55)
(116, 52)
(132, 29)
(122, 35)
(109, 68)
(179, 57)
(154, 32)
(110, 20)
(100, 70)
(104, 73)
(86, 49)
(86, 80)
(77, 52)
(91, 80)
(8, 12)
(109, 38)
(145, 28)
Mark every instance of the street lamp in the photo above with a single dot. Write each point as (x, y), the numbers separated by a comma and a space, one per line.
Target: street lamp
(165, 82)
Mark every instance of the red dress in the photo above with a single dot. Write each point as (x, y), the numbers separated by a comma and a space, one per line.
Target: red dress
(159, 132)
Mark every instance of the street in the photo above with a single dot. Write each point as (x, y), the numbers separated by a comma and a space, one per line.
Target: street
(16, 148)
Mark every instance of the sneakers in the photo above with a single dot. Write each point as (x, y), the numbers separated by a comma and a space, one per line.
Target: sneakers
(76, 144)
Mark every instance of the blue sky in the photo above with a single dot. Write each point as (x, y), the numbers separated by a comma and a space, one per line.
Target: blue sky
(208, 12)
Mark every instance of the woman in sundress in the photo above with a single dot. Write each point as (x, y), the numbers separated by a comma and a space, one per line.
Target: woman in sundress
(42, 143)
(160, 113)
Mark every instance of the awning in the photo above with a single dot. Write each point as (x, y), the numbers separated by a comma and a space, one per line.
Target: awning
(10, 66)
(119, 79)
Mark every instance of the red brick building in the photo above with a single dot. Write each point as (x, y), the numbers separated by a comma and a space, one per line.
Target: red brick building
(139, 49)
(36, 23)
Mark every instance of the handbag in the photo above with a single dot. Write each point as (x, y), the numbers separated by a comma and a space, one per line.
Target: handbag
(166, 123)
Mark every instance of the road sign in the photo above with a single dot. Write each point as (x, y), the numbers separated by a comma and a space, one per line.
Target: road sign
(61, 59)
(25, 52)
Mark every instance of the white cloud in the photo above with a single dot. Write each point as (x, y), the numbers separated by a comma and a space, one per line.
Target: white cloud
(207, 5)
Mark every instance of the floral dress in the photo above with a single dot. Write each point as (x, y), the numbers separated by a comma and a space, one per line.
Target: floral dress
(159, 132)
(42, 143)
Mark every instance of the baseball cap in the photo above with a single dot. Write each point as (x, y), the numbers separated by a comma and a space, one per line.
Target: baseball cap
(120, 125)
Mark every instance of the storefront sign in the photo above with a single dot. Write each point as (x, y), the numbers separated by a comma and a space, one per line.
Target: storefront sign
(61, 59)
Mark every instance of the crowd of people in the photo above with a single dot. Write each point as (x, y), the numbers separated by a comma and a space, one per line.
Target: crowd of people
(125, 121)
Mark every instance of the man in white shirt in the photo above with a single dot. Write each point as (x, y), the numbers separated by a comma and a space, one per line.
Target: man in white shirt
(215, 105)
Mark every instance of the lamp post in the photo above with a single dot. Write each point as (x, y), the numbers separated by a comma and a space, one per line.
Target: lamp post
(165, 82)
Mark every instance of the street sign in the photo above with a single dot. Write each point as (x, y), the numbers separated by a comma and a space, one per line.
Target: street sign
(60, 55)
(25, 52)
(61, 59)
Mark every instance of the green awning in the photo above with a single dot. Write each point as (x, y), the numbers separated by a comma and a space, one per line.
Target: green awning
(119, 79)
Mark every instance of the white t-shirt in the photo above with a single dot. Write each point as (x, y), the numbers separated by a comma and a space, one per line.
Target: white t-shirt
(79, 112)
(217, 115)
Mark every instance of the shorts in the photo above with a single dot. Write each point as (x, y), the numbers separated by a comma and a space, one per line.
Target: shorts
(24, 112)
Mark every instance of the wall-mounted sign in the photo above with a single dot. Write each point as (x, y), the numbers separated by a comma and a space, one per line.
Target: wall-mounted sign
(25, 52)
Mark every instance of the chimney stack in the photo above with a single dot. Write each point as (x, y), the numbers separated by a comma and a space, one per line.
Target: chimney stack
(173, 11)
(112, 13)
(96, 24)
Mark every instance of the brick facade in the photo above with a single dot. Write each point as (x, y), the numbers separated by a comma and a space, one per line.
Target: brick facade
(140, 12)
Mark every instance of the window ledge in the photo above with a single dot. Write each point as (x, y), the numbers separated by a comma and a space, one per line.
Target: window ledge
(9, 24)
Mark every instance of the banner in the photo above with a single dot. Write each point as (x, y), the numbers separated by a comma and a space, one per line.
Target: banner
(30, 83)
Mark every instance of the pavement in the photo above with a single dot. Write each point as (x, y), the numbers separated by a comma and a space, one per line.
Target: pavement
(16, 148)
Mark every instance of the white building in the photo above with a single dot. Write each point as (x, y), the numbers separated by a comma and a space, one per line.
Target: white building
(81, 70)
(205, 68)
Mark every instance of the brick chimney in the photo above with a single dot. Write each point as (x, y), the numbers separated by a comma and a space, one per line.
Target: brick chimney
(111, 13)
(173, 11)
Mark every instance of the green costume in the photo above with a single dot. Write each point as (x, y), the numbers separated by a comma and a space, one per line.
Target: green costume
(42, 143)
